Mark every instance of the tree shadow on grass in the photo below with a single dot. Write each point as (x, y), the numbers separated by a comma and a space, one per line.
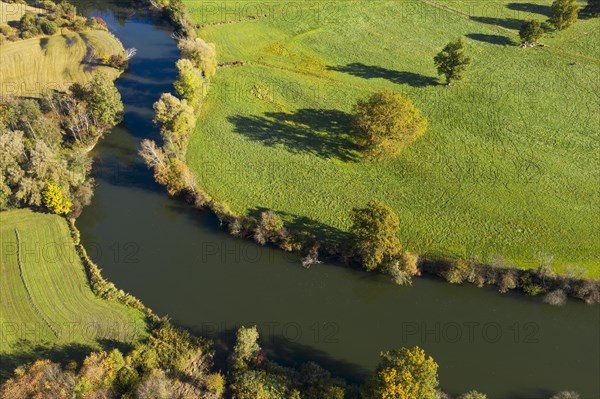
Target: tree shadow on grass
(305, 225)
(491, 39)
(320, 132)
(375, 72)
(508, 23)
(530, 8)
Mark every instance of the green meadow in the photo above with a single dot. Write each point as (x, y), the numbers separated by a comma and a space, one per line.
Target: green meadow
(507, 171)
(45, 299)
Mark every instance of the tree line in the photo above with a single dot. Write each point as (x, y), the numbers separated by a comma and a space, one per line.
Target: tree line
(172, 364)
(43, 145)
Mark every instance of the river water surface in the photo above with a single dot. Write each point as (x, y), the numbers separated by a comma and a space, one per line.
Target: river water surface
(178, 262)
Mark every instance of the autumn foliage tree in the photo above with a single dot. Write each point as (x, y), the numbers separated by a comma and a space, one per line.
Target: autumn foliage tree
(175, 118)
(54, 200)
(404, 374)
(202, 54)
(384, 122)
(375, 234)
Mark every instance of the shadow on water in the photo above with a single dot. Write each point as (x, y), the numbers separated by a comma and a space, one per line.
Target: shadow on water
(491, 39)
(287, 352)
(325, 133)
(530, 8)
(376, 72)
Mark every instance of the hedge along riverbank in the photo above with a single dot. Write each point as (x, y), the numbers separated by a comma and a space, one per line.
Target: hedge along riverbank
(103, 288)
(170, 170)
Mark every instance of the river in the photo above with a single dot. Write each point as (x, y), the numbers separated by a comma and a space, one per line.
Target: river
(177, 261)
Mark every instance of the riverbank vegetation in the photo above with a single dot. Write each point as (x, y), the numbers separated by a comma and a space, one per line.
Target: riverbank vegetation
(491, 181)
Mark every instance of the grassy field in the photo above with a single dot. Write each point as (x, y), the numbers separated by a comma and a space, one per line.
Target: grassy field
(32, 66)
(14, 11)
(507, 171)
(45, 299)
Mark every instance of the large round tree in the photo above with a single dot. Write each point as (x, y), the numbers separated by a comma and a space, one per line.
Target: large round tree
(405, 374)
(384, 122)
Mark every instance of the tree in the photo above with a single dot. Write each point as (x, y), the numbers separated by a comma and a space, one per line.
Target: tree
(189, 82)
(405, 374)
(385, 121)
(246, 346)
(593, 8)
(54, 200)
(563, 13)
(202, 54)
(531, 32)
(452, 61)
(270, 228)
(374, 234)
(404, 268)
(473, 395)
(175, 119)
(47, 26)
(103, 101)
(42, 379)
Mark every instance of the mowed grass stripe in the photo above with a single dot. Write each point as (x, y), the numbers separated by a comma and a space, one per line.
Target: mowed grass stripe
(35, 308)
(58, 287)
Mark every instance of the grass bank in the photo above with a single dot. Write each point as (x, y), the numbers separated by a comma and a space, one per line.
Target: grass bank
(506, 172)
(45, 296)
(34, 66)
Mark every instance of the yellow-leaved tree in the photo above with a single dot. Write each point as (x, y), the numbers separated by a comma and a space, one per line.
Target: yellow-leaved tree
(55, 201)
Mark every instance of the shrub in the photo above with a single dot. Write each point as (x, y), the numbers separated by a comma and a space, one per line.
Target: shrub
(374, 234)
(215, 383)
(54, 200)
(473, 395)
(270, 228)
(47, 27)
(402, 270)
(386, 121)
(556, 298)
(456, 271)
(507, 281)
(566, 395)
(531, 32)
(563, 13)
(118, 61)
